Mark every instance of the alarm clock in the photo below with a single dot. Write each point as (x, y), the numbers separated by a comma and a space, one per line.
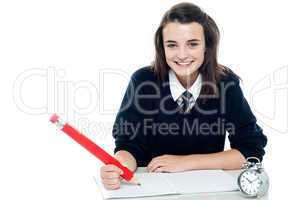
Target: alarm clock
(253, 181)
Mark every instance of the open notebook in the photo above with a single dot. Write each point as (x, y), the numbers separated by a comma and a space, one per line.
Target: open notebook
(154, 184)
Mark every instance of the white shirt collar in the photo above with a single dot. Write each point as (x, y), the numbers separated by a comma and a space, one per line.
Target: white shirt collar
(177, 89)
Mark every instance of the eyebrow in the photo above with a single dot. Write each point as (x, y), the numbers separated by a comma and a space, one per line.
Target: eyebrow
(192, 40)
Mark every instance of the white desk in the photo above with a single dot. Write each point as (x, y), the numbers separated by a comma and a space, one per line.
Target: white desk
(206, 196)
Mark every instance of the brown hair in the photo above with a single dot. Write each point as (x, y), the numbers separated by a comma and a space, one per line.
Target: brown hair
(211, 71)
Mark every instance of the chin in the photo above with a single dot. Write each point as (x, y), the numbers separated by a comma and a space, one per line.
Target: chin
(184, 72)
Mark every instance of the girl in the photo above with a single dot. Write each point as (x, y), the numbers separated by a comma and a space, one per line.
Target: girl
(175, 113)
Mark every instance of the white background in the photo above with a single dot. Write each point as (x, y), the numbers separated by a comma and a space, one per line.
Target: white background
(76, 57)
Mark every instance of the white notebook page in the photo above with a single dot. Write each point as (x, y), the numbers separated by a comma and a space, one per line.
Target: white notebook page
(201, 181)
(154, 184)
(151, 185)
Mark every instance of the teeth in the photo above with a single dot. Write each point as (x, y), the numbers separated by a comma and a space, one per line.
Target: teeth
(186, 63)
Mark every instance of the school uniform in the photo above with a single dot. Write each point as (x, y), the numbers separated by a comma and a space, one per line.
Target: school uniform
(156, 119)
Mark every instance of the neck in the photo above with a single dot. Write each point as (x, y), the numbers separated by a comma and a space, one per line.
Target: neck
(187, 81)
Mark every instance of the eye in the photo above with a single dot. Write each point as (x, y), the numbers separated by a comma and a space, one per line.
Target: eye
(193, 44)
(170, 45)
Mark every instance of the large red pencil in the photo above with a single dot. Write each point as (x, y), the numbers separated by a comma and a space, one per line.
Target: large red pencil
(93, 148)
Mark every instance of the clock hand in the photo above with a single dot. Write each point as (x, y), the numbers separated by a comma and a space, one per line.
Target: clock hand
(248, 180)
(254, 179)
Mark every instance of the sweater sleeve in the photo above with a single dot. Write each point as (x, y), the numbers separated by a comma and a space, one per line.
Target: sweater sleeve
(245, 135)
(128, 127)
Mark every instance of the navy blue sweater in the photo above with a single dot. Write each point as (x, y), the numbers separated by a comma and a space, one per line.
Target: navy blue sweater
(150, 123)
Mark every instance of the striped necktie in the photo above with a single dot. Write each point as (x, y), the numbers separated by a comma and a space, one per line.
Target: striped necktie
(185, 101)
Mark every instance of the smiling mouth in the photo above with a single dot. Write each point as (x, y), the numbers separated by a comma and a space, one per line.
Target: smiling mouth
(183, 64)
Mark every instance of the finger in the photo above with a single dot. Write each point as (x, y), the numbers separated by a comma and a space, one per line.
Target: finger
(164, 159)
(156, 165)
(162, 169)
(153, 162)
(158, 170)
(149, 165)
(111, 168)
(111, 181)
(112, 186)
(152, 166)
(110, 175)
(158, 158)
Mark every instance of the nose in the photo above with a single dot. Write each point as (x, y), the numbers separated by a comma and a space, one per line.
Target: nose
(182, 53)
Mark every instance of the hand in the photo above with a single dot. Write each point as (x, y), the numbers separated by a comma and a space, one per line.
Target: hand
(168, 163)
(110, 176)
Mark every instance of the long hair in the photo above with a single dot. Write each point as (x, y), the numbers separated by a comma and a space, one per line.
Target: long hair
(211, 70)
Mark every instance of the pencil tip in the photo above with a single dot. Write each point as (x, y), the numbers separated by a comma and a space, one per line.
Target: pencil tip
(134, 181)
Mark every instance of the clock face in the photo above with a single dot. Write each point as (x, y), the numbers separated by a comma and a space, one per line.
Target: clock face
(250, 182)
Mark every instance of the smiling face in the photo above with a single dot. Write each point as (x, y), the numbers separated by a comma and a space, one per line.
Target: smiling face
(184, 46)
